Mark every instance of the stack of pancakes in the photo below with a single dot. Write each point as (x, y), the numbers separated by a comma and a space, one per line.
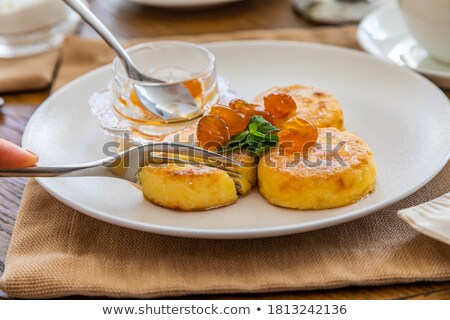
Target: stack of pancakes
(337, 171)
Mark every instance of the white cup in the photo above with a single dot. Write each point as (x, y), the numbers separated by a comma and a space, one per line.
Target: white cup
(429, 23)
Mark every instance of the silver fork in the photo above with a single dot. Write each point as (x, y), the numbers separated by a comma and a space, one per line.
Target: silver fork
(126, 165)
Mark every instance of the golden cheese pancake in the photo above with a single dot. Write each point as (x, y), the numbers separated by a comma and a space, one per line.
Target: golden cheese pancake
(248, 171)
(337, 171)
(318, 107)
(187, 188)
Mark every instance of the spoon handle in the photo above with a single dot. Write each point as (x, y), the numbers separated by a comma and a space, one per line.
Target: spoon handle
(90, 18)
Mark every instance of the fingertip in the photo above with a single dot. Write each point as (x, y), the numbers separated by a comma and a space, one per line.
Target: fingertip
(14, 157)
(33, 158)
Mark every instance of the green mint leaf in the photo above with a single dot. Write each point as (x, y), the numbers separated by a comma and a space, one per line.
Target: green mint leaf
(253, 128)
(240, 137)
(259, 137)
(263, 126)
(250, 140)
(267, 127)
(271, 137)
(266, 138)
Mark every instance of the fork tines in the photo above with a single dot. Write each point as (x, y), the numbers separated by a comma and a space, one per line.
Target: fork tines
(193, 154)
(166, 160)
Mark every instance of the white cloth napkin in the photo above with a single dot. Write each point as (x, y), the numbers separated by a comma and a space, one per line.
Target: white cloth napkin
(431, 218)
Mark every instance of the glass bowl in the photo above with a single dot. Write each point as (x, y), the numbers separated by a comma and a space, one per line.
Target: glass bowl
(118, 108)
(173, 62)
(114, 124)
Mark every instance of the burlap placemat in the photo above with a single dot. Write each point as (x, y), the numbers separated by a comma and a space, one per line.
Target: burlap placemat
(56, 251)
(28, 73)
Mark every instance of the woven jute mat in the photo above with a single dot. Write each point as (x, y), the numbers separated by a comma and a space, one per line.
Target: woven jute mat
(56, 251)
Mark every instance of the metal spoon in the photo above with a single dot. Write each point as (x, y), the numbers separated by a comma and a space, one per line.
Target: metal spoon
(170, 101)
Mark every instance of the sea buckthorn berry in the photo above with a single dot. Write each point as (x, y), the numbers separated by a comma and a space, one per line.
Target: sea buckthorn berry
(250, 110)
(280, 105)
(260, 111)
(235, 121)
(194, 87)
(240, 106)
(212, 132)
(296, 134)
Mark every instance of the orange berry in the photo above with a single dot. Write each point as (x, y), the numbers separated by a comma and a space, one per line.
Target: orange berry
(212, 132)
(240, 106)
(260, 111)
(235, 121)
(280, 105)
(250, 110)
(297, 133)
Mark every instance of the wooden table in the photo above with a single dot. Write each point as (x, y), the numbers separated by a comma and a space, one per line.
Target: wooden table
(129, 21)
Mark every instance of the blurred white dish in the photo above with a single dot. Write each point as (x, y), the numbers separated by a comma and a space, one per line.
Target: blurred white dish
(183, 3)
(20, 16)
(29, 27)
(402, 116)
(429, 22)
(384, 34)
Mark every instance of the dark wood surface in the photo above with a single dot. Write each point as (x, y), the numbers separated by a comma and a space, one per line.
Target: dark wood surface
(128, 20)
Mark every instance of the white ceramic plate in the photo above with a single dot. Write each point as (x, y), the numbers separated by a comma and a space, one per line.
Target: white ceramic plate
(402, 116)
(183, 3)
(384, 34)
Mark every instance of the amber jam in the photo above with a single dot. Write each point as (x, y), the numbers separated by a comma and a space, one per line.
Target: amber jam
(225, 122)
(297, 135)
(174, 62)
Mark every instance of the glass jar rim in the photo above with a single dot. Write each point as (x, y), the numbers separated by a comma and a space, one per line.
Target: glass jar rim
(211, 66)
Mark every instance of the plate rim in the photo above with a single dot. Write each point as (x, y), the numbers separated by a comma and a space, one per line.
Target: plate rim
(241, 233)
(361, 35)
